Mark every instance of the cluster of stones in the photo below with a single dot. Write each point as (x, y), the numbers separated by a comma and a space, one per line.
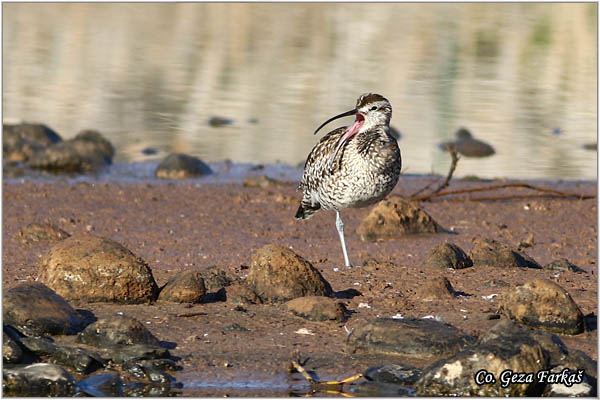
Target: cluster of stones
(36, 147)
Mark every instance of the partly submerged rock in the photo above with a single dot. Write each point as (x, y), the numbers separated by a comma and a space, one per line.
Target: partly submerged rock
(41, 232)
(185, 287)
(86, 152)
(396, 217)
(34, 310)
(398, 373)
(21, 141)
(317, 308)
(92, 268)
(42, 379)
(489, 252)
(102, 385)
(81, 360)
(543, 304)
(117, 330)
(181, 166)
(409, 336)
(278, 274)
(447, 255)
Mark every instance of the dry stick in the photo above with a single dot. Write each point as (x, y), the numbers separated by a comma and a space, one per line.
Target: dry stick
(556, 193)
(455, 158)
(515, 197)
(309, 378)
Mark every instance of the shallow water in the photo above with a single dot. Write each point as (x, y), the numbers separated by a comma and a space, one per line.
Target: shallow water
(522, 77)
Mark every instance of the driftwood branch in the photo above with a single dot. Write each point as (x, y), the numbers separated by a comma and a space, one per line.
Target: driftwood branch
(548, 192)
(443, 185)
(438, 192)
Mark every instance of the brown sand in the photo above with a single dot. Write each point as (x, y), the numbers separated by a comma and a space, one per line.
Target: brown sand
(180, 226)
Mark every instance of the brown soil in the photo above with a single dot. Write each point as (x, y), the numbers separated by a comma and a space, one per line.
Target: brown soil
(184, 226)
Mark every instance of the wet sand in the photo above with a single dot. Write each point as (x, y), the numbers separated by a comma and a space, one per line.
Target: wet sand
(189, 226)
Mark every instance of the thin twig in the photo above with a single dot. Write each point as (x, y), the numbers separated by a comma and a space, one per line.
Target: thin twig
(556, 193)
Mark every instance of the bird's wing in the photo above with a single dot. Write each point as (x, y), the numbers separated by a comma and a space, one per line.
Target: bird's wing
(318, 159)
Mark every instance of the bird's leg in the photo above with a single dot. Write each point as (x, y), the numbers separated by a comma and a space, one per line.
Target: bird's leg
(339, 224)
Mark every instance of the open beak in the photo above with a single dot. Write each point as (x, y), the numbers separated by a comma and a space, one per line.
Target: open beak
(360, 119)
(347, 113)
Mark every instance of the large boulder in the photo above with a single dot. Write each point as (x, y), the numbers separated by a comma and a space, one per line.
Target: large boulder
(34, 310)
(278, 274)
(409, 336)
(92, 268)
(396, 217)
(543, 304)
(21, 141)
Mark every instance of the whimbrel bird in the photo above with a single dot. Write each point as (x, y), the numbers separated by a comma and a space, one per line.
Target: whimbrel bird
(352, 167)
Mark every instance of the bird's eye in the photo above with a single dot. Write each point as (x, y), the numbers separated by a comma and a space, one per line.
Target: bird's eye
(373, 108)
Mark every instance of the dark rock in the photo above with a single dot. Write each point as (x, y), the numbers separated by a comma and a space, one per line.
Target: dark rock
(278, 274)
(21, 141)
(239, 293)
(149, 151)
(86, 152)
(543, 304)
(564, 265)
(81, 360)
(16, 149)
(396, 217)
(466, 145)
(380, 389)
(34, 310)
(103, 385)
(489, 252)
(262, 181)
(117, 330)
(151, 369)
(317, 308)
(400, 374)
(43, 379)
(447, 255)
(35, 133)
(408, 337)
(509, 348)
(590, 146)
(123, 353)
(217, 121)
(181, 166)
(186, 287)
(438, 288)
(41, 232)
(139, 389)
(11, 351)
(92, 268)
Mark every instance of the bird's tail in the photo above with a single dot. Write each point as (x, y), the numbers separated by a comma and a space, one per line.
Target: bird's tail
(306, 210)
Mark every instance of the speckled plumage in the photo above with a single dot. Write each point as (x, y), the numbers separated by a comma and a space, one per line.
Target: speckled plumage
(365, 169)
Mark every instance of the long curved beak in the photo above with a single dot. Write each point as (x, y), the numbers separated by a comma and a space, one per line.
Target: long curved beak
(347, 113)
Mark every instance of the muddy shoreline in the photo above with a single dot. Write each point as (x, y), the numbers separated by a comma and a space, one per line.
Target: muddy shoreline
(186, 225)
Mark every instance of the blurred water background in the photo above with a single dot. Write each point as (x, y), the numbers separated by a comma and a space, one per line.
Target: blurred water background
(522, 77)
